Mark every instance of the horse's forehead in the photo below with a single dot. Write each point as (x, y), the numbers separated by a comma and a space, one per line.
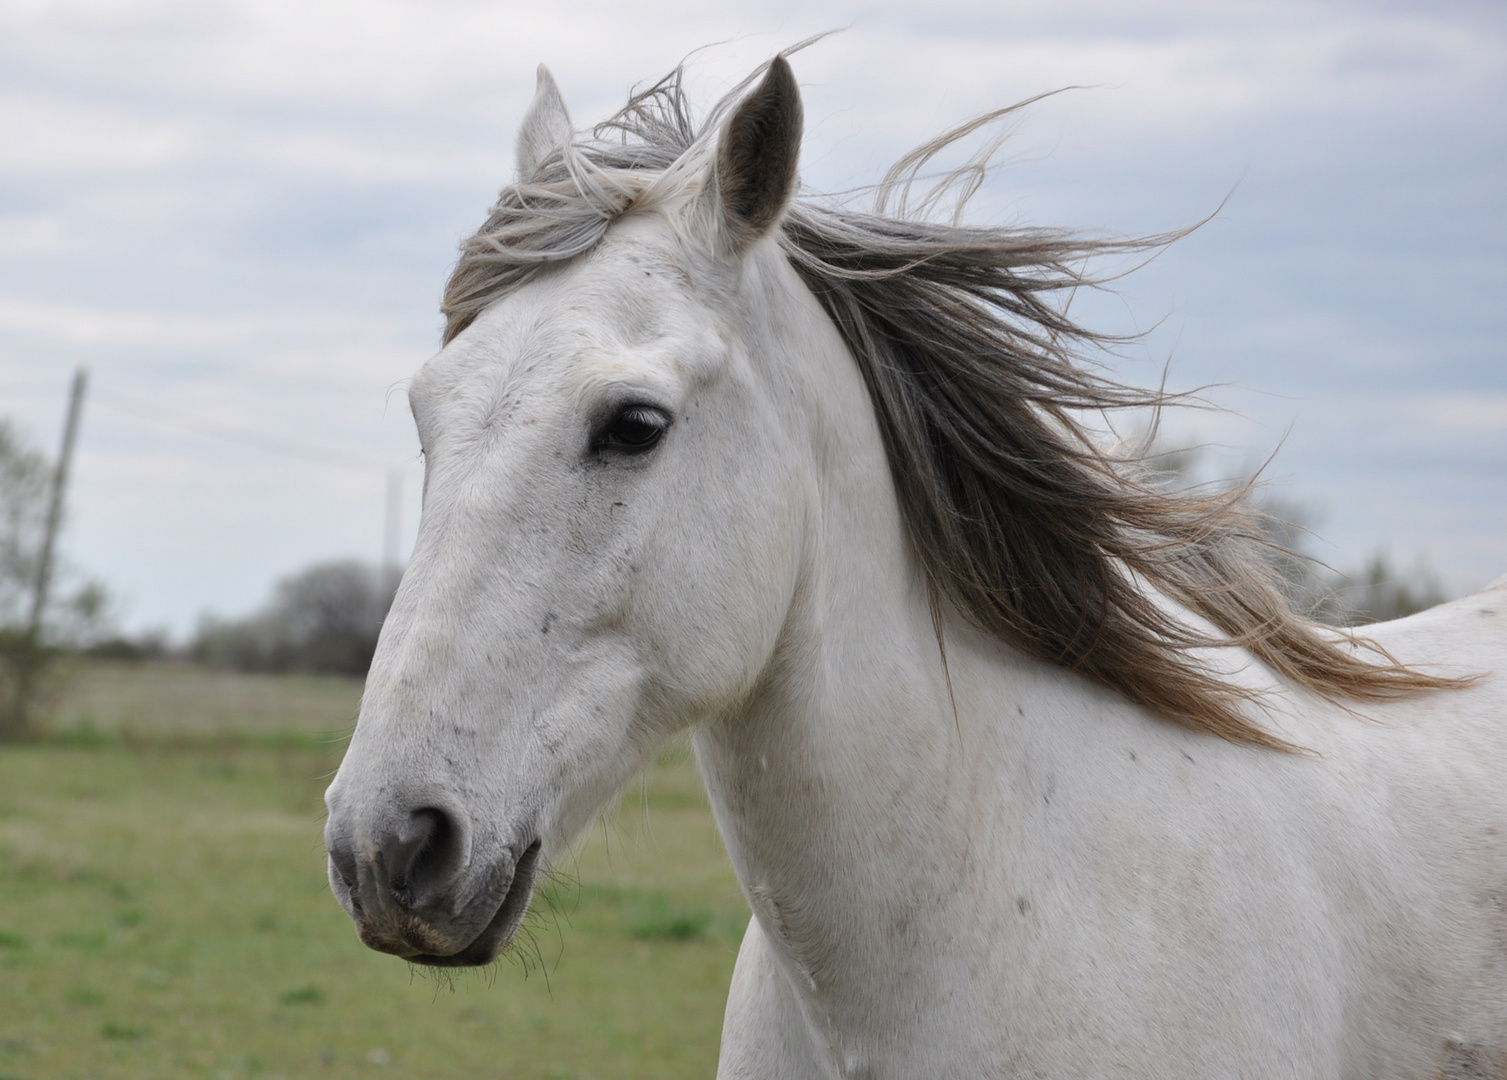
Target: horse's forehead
(633, 288)
(630, 304)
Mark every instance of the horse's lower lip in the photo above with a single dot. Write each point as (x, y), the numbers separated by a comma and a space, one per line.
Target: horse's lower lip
(497, 933)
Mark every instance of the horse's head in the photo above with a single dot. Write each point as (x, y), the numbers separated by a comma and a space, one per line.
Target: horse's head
(609, 545)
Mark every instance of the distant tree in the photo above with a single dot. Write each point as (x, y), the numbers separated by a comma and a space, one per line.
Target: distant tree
(23, 508)
(74, 618)
(152, 644)
(1379, 591)
(323, 619)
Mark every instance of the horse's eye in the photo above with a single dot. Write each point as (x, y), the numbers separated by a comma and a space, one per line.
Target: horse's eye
(635, 429)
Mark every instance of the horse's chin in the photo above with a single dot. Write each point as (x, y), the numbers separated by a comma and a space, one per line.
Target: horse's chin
(417, 939)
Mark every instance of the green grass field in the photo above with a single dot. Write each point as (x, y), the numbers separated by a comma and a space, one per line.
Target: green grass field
(163, 910)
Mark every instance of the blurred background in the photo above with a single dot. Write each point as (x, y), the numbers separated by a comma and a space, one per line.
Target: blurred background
(238, 217)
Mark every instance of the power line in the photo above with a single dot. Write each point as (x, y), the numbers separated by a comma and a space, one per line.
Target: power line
(34, 387)
(276, 444)
(241, 436)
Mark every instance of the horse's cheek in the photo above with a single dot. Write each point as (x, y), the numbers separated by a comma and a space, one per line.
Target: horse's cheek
(718, 595)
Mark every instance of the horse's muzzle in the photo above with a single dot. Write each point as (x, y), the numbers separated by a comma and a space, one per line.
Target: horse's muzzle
(413, 890)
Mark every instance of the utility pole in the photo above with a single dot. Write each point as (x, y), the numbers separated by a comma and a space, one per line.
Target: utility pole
(29, 661)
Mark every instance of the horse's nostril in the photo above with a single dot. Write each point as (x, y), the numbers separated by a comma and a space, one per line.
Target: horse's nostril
(410, 859)
(425, 856)
(343, 861)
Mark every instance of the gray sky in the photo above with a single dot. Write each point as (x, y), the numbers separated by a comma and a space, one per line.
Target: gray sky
(240, 215)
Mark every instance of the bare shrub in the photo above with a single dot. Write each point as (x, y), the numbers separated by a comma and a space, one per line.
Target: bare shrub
(322, 619)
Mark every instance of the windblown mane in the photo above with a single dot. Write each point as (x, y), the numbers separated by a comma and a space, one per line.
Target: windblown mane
(1022, 519)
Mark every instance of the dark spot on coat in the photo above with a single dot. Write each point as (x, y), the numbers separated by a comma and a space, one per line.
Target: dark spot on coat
(1494, 902)
(1471, 1061)
(1022, 905)
(1188, 757)
(1132, 754)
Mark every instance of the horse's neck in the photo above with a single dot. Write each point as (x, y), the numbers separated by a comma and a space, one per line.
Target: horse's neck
(848, 779)
(849, 783)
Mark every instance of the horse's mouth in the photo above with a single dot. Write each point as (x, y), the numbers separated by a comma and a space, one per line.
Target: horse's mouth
(496, 935)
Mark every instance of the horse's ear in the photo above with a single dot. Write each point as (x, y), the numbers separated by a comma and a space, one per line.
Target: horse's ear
(546, 127)
(754, 175)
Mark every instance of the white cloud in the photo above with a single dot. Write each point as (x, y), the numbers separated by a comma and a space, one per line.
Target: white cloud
(80, 325)
(363, 161)
(1484, 414)
(32, 234)
(50, 136)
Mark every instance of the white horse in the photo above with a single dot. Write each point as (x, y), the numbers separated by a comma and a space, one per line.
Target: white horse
(1023, 765)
